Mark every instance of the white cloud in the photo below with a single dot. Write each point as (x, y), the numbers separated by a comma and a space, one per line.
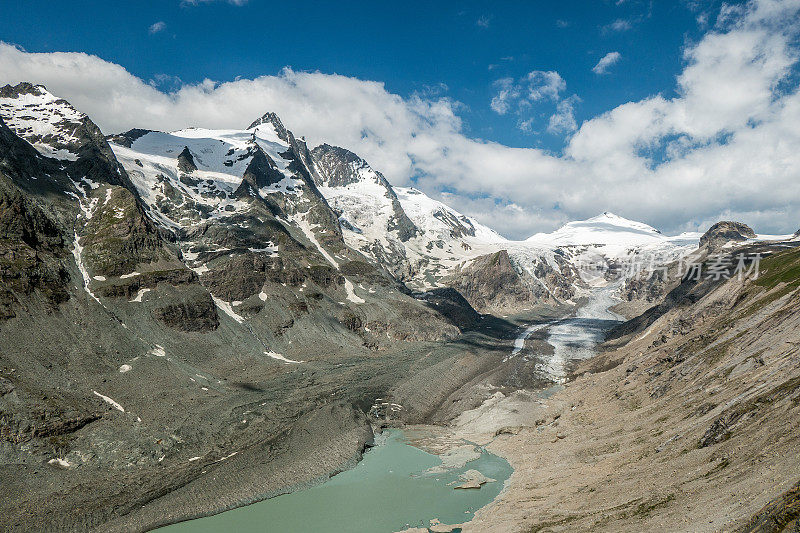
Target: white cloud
(618, 25)
(506, 92)
(520, 95)
(157, 27)
(541, 84)
(606, 61)
(563, 121)
(725, 146)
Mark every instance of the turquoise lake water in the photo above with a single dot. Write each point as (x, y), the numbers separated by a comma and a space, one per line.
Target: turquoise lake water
(387, 491)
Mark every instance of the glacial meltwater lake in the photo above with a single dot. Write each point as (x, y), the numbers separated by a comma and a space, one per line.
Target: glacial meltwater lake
(388, 490)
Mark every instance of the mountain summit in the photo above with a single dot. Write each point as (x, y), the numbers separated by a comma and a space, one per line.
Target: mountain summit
(606, 228)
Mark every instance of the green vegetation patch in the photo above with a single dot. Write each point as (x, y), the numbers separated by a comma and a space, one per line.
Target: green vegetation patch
(782, 267)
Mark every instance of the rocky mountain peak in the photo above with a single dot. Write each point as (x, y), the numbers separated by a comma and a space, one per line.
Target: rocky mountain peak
(339, 167)
(272, 119)
(13, 91)
(495, 282)
(343, 154)
(57, 130)
(127, 138)
(724, 232)
(50, 124)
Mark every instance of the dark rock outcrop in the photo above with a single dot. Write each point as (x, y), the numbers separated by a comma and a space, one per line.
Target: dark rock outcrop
(127, 138)
(196, 314)
(32, 253)
(186, 161)
(452, 305)
(260, 172)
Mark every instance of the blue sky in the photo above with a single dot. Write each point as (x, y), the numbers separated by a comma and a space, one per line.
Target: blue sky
(525, 115)
(456, 49)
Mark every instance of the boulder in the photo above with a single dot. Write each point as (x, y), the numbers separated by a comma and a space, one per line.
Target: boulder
(472, 479)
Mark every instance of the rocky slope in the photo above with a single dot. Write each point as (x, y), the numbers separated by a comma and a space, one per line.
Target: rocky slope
(177, 303)
(493, 283)
(683, 423)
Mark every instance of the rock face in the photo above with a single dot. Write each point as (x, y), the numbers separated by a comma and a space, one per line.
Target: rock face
(494, 283)
(724, 232)
(451, 304)
(33, 254)
(164, 297)
(186, 161)
(261, 172)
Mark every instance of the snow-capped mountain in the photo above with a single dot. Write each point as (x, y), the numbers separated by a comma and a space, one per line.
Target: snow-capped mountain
(604, 229)
(260, 194)
(609, 241)
(193, 176)
(611, 232)
(370, 213)
(164, 234)
(414, 237)
(196, 178)
(48, 123)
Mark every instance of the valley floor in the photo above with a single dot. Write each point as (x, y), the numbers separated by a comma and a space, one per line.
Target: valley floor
(689, 425)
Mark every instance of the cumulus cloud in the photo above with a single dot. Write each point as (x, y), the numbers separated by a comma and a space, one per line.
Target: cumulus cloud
(606, 61)
(536, 85)
(726, 145)
(157, 27)
(505, 92)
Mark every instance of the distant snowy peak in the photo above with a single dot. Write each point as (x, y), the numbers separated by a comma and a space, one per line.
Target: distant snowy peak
(611, 219)
(442, 221)
(50, 124)
(605, 229)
